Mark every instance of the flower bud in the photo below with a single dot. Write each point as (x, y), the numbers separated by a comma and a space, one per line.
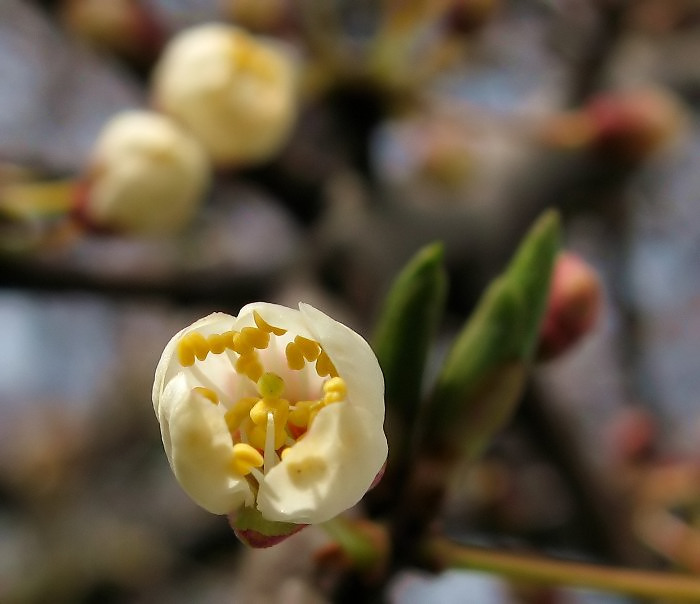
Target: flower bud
(259, 15)
(633, 124)
(235, 92)
(572, 308)
(122, 26)
(467, 16)
(146, 176)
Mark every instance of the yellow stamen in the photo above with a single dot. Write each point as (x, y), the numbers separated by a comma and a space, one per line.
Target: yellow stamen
(295, 356)
(309, 348)
(265, 326)
(238, 412)
(335, 390)
(185, 354)
(257, 436)
(245, 458)
(300, 413)
(257, 338)
(324, 365)
(249, 364)
(207, 393)
(279, 407)
(228, 338)
(216, 343)
(198, 343)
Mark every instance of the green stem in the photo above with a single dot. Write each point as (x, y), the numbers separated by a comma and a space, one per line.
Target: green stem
(354, 541)
(645, 584)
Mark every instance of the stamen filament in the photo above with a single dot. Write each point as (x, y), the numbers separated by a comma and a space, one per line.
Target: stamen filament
(270, 456)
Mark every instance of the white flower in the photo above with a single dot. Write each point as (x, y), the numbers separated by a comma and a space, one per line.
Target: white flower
(235, 92)
(147, 175)
(277, 409)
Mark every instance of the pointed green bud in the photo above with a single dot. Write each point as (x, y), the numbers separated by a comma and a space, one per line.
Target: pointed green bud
(406, 327)
(485, 371)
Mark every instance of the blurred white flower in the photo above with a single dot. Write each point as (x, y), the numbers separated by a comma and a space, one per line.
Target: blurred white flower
(146, 176)
(277, 410)
(235, 92)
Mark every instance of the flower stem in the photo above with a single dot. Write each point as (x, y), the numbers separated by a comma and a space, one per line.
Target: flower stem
(355, 540)
(645, 584)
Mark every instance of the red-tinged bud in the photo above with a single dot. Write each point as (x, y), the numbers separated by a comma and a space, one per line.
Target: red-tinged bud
(573, 306)
(632, 435)
(255, 531)
(467, 16)
(260, 16)
(126, 27)
(633, 124)
(147, 176)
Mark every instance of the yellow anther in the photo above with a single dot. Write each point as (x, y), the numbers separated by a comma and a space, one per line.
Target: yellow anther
(185, 354)
(337, 385)
(249, 365)
(198, 344)
(335, 390)
(313, 411)
(270, 385)
(216, 343)
(228, 338)
(245, 458)
(207, 393)
(279, 408)
(324, 365)
(284, 453)
(295, 357)
(309, 348)
(240, 344)
(257, 338)
(257, 434)
(238, 412)
(265, 326)
(300, 413)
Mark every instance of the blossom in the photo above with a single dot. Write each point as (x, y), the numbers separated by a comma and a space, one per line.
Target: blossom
(573, 306)
(146, 175)
(234, 91)
(277, 411)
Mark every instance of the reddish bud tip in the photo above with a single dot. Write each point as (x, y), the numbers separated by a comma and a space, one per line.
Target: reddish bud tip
(573, 306)
(633, 124)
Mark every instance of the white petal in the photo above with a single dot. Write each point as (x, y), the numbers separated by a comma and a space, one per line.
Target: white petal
(199, 448)
(276, 315)
(168, 365)
(328, 471)
(352, 357)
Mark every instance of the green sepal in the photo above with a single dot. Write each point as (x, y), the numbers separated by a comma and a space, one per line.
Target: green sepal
(253, 530)
(485, 371)
(406, 327)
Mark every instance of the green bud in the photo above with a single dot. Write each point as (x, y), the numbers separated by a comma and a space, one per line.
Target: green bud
(406, 327)
(485, 371)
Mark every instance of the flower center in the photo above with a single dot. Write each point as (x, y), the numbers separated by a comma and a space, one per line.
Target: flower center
(263, 427)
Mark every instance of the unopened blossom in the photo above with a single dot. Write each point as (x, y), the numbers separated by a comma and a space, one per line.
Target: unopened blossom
(146, 175)
(277, 412)
(573, 306)
(234, 91)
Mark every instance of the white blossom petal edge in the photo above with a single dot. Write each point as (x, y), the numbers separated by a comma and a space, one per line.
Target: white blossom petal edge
(277, 409)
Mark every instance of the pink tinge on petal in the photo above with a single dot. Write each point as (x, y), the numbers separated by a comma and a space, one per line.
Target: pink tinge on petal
(378, 477)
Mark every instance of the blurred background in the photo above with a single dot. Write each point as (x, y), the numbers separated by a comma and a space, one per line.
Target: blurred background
(457, 121)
